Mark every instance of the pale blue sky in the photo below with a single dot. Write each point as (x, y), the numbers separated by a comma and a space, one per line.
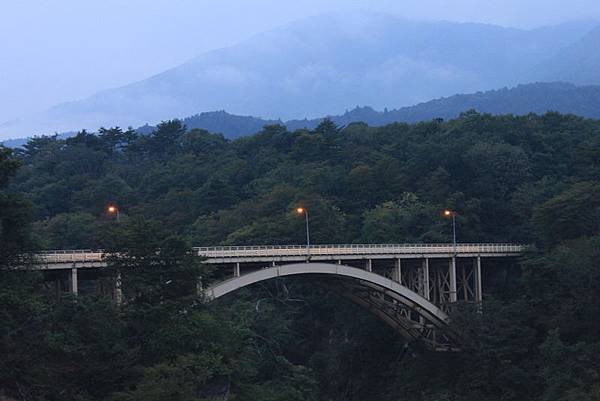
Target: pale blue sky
(53, 51)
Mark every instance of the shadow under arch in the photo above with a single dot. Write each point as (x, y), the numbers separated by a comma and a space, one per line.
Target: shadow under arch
(413, 316)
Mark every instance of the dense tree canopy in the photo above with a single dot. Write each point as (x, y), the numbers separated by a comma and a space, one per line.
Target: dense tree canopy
(531, 179)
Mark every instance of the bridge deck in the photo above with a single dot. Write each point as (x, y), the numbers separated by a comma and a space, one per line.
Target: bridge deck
(233, 254)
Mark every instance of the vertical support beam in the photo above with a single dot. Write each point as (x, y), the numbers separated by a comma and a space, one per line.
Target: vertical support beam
(478, 285)
(452, 276)
(465, 282)
(118, 289)
(397, 272)
(74, 281)
(339, 262)
(199, 286)
(236, 270)
(426, 278)
(369, 265)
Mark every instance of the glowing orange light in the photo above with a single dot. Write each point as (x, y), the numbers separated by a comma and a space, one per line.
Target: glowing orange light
(447, 213)
(112, 209)
(300, 210)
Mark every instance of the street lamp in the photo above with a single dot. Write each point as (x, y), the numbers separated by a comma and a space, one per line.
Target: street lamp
(451, 213)
(112, 209)
(304, 211)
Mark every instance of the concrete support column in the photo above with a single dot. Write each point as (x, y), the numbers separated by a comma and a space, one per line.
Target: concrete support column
(369, 265)
(426, 278)
(118, 289)
(478, 285)
(199, 286)
(397, 272)
(452, 279)
(74, 281)
(339, 262)
(236, 269)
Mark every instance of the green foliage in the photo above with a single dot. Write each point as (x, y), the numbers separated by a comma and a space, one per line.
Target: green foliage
(67, 230)
(573, 213)
(531, 179)
(14, 214)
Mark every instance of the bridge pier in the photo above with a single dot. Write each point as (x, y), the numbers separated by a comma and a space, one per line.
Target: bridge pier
(452, 279)
(478, 285)
(74, 281)
(397, 272)
(118, 289)
(426, 287)
(236, 269)
(369, 265)
(199, 286)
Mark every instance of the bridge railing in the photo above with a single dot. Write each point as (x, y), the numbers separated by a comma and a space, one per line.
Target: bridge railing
(87, 255)
(352, 249)
(68, 256)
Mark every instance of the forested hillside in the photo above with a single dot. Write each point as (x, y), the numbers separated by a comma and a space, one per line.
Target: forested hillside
(540, 98)
(533, 179)
(583, 101)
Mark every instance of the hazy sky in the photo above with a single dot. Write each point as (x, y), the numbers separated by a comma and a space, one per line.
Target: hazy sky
(53, 51)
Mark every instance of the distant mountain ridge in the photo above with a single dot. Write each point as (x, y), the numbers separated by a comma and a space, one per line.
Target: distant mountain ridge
(537, 98)
(328, 63)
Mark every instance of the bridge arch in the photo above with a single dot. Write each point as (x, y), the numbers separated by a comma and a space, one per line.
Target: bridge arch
(413, 316)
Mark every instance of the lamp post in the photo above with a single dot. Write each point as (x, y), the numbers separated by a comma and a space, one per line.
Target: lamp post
(451, 213)
(112, 209)
(452, 268)
(304, 211)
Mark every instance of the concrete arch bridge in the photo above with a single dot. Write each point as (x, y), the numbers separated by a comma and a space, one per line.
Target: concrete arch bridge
(409, 286)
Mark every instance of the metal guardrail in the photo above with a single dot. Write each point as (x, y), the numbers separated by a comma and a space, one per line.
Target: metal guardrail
(353, 249)
(82, 256)
(70, 256)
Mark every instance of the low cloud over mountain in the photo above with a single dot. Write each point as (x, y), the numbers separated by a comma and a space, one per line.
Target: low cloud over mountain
(327, 64)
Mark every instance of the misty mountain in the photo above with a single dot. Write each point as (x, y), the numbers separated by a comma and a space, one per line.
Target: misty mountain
(578, 63)
(324, 65)
(536, 98)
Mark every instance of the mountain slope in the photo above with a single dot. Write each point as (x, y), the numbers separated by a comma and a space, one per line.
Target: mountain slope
(322, 65)
(578, 63)
(537, 98)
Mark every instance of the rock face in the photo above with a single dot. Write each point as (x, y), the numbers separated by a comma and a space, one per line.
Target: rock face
(325, 65)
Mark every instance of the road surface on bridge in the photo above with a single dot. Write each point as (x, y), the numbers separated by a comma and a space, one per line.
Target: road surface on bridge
(62, 259)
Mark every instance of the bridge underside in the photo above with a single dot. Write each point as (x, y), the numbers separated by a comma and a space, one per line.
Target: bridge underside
(410, 314)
